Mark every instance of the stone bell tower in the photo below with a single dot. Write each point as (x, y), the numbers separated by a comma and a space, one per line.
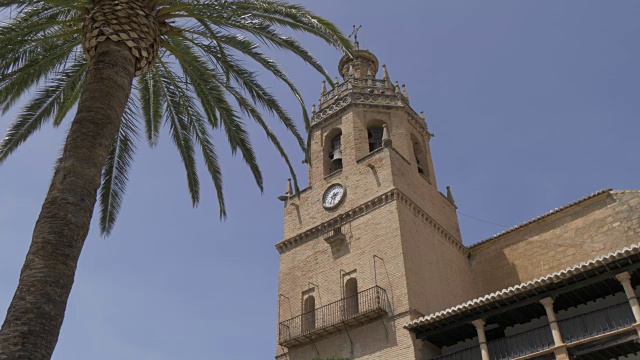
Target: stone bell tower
(371, 237)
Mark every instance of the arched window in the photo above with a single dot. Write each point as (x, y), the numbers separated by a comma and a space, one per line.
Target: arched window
(335, 153)
(309, 314)
(375, 137)
(352, 307)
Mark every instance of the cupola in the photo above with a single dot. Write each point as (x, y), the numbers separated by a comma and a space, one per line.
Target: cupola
(363, 64)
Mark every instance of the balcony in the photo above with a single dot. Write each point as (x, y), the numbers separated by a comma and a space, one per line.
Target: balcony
(358, 309)
(526, 343)
(472, 353)
(598, 322)
(575, 329)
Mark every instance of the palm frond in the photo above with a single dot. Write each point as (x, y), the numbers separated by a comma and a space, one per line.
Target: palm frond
(176, 115)
(262, 30)
(247, 107)
(45, 62)
(207, 88)
(248, 79)
(70, 99)
(295, 17)
(54, 100)
(115, 173)
(38, 26)
(152, 103)
(212, 163)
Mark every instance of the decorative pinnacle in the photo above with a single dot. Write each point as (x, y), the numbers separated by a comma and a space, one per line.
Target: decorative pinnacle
(386, 139)
(352, 72)
(289, 191)
(385, 74)
(397, 88)
(422, 116)
(404, 92)
(313, 109)
(450, 196)
(324, 87)
(335, 81)
(369, 74)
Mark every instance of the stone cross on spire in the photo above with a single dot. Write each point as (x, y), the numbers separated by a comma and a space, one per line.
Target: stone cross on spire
(354, 33)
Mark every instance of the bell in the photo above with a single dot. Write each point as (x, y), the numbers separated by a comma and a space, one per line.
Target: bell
(337, 155)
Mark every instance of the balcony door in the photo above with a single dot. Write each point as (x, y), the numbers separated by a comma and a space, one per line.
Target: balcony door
(309, 314)
(352, 307)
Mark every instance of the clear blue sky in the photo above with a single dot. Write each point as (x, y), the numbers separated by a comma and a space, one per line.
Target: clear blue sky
(534, 104)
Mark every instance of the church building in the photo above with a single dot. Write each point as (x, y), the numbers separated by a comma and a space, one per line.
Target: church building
(372, 264)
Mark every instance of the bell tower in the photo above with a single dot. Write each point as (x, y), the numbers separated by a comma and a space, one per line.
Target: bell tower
(371, 237)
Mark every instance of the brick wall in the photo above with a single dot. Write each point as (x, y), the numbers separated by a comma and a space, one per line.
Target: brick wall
(381, 339)
(378, 232)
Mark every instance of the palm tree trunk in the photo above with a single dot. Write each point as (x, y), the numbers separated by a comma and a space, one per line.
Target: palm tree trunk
(31, 328)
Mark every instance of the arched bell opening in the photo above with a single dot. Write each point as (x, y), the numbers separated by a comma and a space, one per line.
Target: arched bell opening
(333, 152)
(420, 156)
(374, 135)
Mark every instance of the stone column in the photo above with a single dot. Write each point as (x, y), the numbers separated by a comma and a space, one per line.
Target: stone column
(625, 280)
(561, 351)
(484, 349)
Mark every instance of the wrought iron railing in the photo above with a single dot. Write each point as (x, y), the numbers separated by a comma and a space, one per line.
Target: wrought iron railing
(522, 344)
(366, 302)
(597, 322)
(472, 353)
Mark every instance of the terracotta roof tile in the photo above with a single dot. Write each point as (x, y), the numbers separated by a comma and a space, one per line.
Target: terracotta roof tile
(514, 290)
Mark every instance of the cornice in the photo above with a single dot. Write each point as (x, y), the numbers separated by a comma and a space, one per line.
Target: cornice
(439, 229)
(364, 209)
(339, 220)
(341, 103)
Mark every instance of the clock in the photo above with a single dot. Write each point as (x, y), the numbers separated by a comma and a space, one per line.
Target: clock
(333, 196)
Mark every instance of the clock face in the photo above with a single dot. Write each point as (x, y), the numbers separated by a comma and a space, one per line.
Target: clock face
(333, 196)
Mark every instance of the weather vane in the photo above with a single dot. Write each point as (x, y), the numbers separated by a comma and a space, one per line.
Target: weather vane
(354, 33)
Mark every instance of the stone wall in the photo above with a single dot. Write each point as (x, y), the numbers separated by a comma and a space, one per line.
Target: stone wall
(595, 227)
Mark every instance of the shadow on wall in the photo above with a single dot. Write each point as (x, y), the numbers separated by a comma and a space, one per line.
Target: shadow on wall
(344, 247)
(545, 246)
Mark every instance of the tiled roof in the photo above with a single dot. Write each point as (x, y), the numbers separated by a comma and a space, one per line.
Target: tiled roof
(517, 289)
(556, 210)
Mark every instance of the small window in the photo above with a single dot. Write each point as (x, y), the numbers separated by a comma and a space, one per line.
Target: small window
(309, 314)
(420, 156)
(352, 307)
(335, 154)
(375, 137)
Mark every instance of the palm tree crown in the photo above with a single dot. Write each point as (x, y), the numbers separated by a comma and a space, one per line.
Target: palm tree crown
(190, 76)
(186, 57)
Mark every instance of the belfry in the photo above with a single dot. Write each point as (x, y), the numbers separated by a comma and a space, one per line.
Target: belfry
(372, 264)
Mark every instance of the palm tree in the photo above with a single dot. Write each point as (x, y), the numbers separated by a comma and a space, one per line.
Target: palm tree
(182, 61)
